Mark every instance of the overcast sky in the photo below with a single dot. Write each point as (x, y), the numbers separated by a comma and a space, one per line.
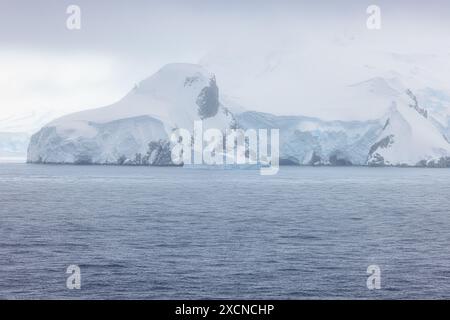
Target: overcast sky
(43, 65)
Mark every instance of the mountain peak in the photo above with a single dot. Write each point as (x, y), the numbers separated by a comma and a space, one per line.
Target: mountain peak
(177, 75)
(174, 97)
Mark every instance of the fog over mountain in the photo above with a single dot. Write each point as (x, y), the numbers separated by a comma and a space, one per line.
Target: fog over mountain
(136, 130)
(285, 58)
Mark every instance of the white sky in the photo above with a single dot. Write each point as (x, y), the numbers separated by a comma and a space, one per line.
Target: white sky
(44, 66)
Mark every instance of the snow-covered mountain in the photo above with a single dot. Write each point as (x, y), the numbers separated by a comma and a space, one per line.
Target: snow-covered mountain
(409, 137)
(324, 77)
(138, 126)
(136, 129)
(408, 133)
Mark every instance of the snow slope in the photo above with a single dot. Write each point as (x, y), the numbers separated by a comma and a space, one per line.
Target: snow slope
(136, 129)
(408, 133)
(409, 138)
(174, 97)
(315, 76)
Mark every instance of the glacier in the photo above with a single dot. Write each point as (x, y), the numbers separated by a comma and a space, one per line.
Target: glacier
(127, 131)
(136, 129)
(13, 144)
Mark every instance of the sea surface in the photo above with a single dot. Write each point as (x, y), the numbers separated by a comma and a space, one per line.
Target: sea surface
(174, 233)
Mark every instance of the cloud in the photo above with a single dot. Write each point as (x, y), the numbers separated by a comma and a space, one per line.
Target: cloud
(65, 82)
(45, 65)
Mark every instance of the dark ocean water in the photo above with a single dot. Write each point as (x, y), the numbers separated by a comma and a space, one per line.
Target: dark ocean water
(166, 233)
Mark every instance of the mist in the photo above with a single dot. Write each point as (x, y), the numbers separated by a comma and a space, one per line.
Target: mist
(284, 57)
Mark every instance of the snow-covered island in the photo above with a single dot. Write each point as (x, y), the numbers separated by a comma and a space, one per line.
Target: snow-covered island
(136, 129)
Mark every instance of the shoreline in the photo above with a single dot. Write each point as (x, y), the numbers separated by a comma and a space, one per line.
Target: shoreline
(23, 161)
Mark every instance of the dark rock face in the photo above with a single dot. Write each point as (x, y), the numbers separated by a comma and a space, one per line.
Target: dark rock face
(339, 159)
(315, 160)
(159, 153)
(83, 159)
(415, 105)
(289, 162)
(374, 158)
(208, 100)
(443, 162)
(376, 161)
(383, 143)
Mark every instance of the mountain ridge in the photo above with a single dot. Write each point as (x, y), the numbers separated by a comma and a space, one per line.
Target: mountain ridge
(179, 94)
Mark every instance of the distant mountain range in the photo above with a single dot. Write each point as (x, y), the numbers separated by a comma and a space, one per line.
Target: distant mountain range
(135, 130)
(15, 132)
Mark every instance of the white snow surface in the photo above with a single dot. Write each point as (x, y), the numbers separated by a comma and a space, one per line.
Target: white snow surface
(414, 138)
(157, 105)
(170, 99)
